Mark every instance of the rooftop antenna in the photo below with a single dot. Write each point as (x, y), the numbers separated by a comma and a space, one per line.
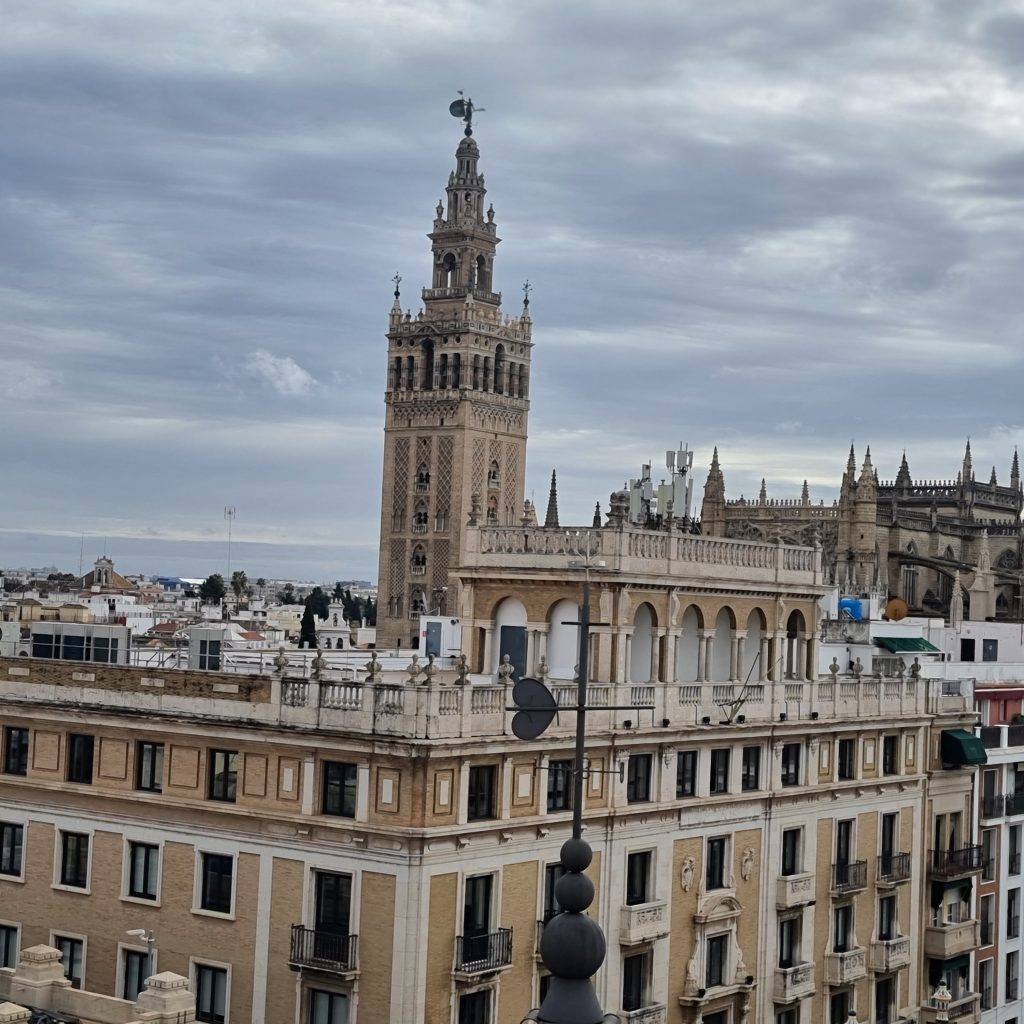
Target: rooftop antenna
(464, 109)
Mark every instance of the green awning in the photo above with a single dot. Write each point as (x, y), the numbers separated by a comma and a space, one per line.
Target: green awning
(899, 644)
(958, 746)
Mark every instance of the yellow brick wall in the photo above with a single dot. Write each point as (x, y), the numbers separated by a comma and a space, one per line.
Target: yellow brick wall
(376, 945)
(519, 903)
(440, 948)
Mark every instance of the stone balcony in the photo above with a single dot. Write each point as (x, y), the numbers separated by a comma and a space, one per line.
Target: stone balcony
(794, 890)
(952, 939)
(647, 1015)
(643, 922)
(889, 954)
(792, 983)
(844, 968)
(966, 1010)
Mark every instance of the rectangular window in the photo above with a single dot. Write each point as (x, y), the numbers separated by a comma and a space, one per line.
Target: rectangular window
(720, 770)
(149, 767)
(985, 983)
(74, 859)
(333, 903)
(1013, 913)
(890, 824)
(1012, 975)
(209, 655)
(786, 1017)
(482, 778)
(988, 903)
(890, 746)
(839, 1007)
(474, 1007)
(559, 785)
(635, 972)
(104, 649)
(1013, 868)
(215, 882)
(846, 759)
(638, 876)
(791, 851)
(80, 748)
(789, 942)
(886, 918)
(715, 862)
(844, 841)
(477, 917)
(339, 789)
(12, 841)
(143, 870)
(72, 954)
(552, 873)
(135, 968)
(15, 751)
(989, 650)
(988, 853)
(638, 778)
(791, 764)
(211, 993)
(751, 775)
(332, 1007)
(686, 773)
(8, 945)
(222, 781)
(842, 926)
(43, 645)
(717, 955)
(885, 1001)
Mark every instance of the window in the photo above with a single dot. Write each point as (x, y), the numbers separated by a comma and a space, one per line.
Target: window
(885, 1001)
(842, 927)
(638, 778)
(791, 764)
(715, 960)
(635, 972)
(209, 655)
(844, 841)
(886, 918)
(15, 751)
(80, 749)
(720, 770)
(839, 1007)
(104, 649)
(890, 823)
(989, 650)
(559, 785)
(985, 983)
(846, 759)
(475, 1007)
(890, 745)
(12, 841)
(686, 773)
(988, 903)
(476, 918)
(714, 867)
(339, 789)
(135, 968)
(789, 942)
(1013, 868)
(638, 874)
(72, 954)
(223, 775)
(791, 851)
(143, 870)
(751, 775)
(988, 853)
(211, 993)
(1013, 914)
(552, 873)
(787, 1017)
(333, 910)
(215, 882)
(1012, 975)
(481, 791)
(8, 945)
(74, 859)
(149, 767)
(327, 1007)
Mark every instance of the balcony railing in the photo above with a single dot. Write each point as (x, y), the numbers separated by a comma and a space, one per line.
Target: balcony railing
(1014, 863)
(643, 922)
(793, 983)
(847, 877)
(846, 967)
(893, 867)
(962, 861)
(323, 951)
(965, 1009)
(1015, 803)
(941, 942)
(478, 954)
(993, 805)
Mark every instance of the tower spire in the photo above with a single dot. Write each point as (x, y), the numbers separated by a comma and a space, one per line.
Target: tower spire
(903, 478)
(1015, 472)
(967, 472)
(551, 516)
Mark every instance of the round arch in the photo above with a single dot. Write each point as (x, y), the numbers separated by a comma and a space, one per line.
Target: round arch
(509, 635)
(756, 628)
(687, 658)
(641, 669)
(721, 646)
(563, 639)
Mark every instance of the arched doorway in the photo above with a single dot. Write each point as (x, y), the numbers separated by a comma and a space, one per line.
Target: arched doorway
(721, 647)
(563, 640)
(640, 661)
(510, 632)
(687, 655)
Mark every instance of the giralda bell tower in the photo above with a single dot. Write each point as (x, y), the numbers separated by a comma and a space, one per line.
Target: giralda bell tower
(456, 408)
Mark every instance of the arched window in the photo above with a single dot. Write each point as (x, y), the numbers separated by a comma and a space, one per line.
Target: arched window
(410, 372)
(499, 370)
(493, 474)
(449, 276)
(487, 373)
(476, 373)
(396, 374)
(419, 560)
(417, 605)
(492, 511)
(456, 370)
(483, 274)
(428, 364)
(422, 477)
(421, 517)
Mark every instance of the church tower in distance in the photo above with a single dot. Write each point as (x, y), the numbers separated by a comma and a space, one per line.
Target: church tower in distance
(456, 409)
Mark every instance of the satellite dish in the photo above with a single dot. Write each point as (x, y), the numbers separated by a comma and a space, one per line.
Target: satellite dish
(457, 108)
(537, 708)
(896, 609)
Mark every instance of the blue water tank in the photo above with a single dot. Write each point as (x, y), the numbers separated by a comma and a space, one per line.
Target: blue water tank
(852, 607)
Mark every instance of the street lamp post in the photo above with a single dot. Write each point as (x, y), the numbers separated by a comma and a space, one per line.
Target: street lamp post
(149, 938)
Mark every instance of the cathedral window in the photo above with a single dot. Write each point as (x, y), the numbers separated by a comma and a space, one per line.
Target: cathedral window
(421, 517)
(410, 372)
(422, 477)
(396, 374)
(499, 370)
(493, 475)
(456, 370)
(428, 365)
(441, 521)
(483, 274)
(419, 561)
(492, 511)
(442, 371)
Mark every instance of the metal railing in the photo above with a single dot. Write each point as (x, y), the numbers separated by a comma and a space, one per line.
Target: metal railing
(894, 867)
(325, 951)
(850, 875)
(1015, 803)
(956, 862)
(1014, 864)
(993, 805)
(476, 954)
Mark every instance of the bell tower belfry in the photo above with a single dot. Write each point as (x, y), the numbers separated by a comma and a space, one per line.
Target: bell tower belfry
(456, 406)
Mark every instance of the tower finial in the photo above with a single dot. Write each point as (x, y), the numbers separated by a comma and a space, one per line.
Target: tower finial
(968, 467)
(527, 288)
(464, 109)
(551, 516)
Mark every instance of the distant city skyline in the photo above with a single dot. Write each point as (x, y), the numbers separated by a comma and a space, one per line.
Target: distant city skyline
(764, 226)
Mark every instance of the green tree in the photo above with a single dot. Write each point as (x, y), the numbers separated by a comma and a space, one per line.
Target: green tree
(212, 590)
(307, 628)
(318, 602)
(370, 612)
(287, 595)
(239, 583)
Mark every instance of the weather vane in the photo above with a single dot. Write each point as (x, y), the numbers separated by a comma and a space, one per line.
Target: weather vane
(527, 288)
(463, 108)
(397, 280)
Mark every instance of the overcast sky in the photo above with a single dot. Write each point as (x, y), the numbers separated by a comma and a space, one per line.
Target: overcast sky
(773, 225)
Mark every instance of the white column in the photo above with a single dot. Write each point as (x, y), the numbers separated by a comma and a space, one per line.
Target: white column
(531, 649)
(801, 658)
(702, 657)
(764, 660)
(506, 789)
(542, 784)
(629, 656)
(308, 785)
(812, 656)
(741, 644)
(363, 792)
(462, 796)
(734, 646)
(656, 637)
(488, 652)
(671, 645)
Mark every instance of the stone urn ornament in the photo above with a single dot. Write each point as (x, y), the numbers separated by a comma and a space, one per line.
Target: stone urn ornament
(372, 668)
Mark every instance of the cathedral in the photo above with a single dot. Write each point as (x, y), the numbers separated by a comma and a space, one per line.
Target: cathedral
(456, 402)
(931, 543)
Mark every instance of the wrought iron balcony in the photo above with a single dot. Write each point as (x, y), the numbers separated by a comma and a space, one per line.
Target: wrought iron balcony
(993, 805)
(893, 868)
(480, 954)
(1015, 803)
(850, 876)
(323, 951)
(949, 863)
